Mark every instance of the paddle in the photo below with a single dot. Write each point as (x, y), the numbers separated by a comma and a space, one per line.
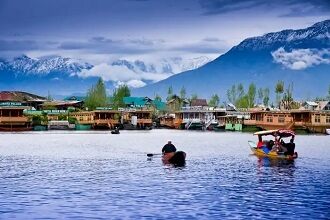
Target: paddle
(151, 155)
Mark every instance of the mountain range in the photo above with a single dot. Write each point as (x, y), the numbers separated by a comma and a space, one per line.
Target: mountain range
(300, 57)
(60, 76)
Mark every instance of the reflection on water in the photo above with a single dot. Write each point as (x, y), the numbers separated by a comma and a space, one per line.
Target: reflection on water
(81, 175)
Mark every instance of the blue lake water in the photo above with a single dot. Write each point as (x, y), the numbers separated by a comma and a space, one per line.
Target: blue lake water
(81, 175)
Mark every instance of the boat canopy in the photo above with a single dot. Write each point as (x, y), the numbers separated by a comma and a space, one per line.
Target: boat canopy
(275, 133)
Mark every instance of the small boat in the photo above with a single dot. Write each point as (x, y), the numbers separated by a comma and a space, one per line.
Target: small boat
(177, 158)
(327, 131)
(263, 151)
(272, 154)
(116, 131)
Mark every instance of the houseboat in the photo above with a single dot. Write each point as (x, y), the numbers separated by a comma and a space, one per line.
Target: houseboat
(106, 118)
(84, 119)
(305, 120)
(12, 117)
(137, 118)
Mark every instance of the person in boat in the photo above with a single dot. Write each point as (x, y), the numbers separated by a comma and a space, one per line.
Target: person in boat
(260, 142)
(168, 148)
(290, 147)
(282, 147)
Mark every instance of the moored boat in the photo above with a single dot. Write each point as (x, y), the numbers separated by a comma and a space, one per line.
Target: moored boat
(267, 149)
(327, 131)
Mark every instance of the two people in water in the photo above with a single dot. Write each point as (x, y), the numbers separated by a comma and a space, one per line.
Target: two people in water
(170, 155)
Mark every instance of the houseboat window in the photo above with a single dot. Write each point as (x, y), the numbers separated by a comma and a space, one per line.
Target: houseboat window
(327, 119)
(281, 119)
(81, 119)
(317, 119)
(269, 119)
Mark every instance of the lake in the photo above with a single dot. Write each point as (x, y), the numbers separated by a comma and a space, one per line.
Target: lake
(97, 175)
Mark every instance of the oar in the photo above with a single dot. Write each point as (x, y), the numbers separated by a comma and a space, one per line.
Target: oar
(151, 155)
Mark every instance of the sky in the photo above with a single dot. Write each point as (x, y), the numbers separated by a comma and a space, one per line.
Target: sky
(101, 31)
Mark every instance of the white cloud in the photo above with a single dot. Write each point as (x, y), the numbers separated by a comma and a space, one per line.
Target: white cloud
(134, 83)
(121, 75)
(301, 58)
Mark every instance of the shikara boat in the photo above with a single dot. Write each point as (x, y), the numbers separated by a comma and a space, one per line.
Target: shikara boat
(261, 149)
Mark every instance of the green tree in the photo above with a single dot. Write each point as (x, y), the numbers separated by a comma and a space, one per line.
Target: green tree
(260, 95)
(232, 94)
(266, 97)
(96, 96)
(118, 96)
(240, 91)
(279, 89)
(169, 93)
(158, 98)
(193, 97)
(214, 101)
(183, 93)
(251, 95)
(288, 98)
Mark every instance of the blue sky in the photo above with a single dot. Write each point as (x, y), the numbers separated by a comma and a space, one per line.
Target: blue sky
(103, 30)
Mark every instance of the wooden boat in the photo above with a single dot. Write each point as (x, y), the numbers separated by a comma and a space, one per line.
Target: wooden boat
(176, 158)
(263, 151)
(327, 131)
(272, 154)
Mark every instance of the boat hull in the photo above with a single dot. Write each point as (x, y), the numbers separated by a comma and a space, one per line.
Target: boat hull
(271, 154)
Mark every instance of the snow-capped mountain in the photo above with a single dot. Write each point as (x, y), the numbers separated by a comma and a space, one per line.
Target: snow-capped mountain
(44, 65)
(301, 57)
(316, 34)
(167, 66)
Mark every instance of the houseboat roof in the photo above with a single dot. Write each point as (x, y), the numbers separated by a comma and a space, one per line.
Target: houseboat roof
(198, 102)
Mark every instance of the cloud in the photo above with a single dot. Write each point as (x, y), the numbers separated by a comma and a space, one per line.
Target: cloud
(134, 83)
(292, 8)
(102, 45)
(121, 75)
(18, 45)
(301, 58)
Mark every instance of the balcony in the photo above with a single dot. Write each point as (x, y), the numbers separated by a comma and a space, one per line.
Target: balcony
(144, 121)
(14, 119)
(106, 121)
(250, 122)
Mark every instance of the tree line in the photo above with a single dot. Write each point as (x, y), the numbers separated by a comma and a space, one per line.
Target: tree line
(236, 94)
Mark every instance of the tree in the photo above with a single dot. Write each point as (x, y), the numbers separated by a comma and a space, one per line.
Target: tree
(279, 89)
(288, 97)
(169, 93)
(251, 95)
(158, 98)
(183, 93)
(260, 95)
(49, 97)
(96, 96)
(118, 96)
(232, 94)
(193, 97)
(266, 97)
(240, 91)
(214, 101)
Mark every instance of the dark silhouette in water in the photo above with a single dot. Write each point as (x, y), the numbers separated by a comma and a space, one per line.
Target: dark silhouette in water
(116, 131)
(178, 159)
